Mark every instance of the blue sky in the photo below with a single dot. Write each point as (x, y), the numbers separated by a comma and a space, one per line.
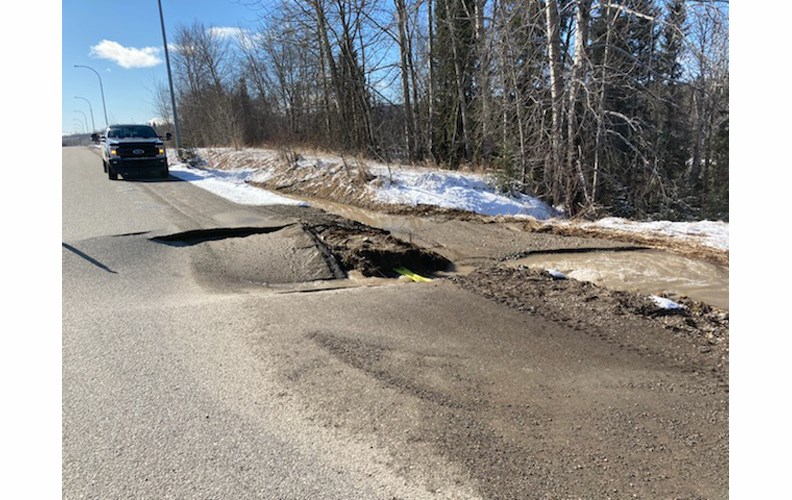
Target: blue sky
(122, 41)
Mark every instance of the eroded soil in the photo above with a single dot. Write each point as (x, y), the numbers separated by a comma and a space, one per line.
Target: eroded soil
(696, 338)
(372, 251)
(686, 248)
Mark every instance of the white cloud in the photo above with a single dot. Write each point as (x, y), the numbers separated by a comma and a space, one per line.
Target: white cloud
(227, 32)
(245, 38)
(127, 57)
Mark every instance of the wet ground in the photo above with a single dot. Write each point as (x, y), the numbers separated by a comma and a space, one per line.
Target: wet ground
(699, 333)
(652, 272)
(605, 295)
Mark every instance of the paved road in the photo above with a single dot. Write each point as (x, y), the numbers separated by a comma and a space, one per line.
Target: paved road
(208, 369)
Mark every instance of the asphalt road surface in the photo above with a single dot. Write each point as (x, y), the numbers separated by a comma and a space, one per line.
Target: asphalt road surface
(208, 352)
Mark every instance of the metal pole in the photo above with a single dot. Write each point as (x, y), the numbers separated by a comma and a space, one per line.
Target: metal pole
(101, 89)
(90, 108)
(170, 79)
(85, 118)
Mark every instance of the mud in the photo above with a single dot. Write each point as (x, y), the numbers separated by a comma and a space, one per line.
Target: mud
(695, 338)
(374, 252)
(649, 271)
(686, 248)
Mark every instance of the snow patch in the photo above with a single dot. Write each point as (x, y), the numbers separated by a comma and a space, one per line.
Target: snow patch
(664, 303)
(714, 234)
(556, 274)
(231, 185)
(468, 191)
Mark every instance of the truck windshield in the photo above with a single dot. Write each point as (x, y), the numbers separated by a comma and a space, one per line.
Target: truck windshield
(141, 131)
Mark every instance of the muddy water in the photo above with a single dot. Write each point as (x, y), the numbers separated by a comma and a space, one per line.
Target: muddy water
(644, 271)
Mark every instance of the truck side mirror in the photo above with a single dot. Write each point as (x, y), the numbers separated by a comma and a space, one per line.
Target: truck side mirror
(95, 137)
(168, 136)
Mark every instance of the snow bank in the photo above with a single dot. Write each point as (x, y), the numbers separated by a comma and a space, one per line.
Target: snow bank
(462, 191)
(714, 234)
(231, 185)
(411, 186)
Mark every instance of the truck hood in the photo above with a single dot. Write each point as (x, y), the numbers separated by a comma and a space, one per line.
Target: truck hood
(135, 140)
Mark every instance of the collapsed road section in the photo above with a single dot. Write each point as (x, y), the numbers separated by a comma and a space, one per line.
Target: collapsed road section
(326, 248)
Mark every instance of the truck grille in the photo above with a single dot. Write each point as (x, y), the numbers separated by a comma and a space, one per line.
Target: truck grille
(133, 150)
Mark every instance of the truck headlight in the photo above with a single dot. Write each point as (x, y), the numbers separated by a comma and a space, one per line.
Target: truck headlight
(113, 152)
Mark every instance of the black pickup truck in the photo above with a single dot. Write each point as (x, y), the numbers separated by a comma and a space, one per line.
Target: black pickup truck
(131, 150)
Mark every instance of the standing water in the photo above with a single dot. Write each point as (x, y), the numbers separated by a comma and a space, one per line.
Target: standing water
(644, 271)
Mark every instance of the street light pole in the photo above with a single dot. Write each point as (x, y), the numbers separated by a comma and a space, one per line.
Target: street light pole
(170, 80)
(90, 108)
(101, 89)
(85, 118)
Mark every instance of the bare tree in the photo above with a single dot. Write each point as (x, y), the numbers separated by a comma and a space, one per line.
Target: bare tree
(556, 105)
(405, 57)
(574, 153)
(620, 105)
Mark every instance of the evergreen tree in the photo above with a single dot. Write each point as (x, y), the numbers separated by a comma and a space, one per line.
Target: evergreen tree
(453, 63)
(672, 145)
(625, 56)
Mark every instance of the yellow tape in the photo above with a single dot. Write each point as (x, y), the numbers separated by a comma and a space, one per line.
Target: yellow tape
(415, 277)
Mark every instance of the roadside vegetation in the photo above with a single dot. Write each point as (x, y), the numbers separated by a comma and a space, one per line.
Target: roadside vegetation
(599, 108)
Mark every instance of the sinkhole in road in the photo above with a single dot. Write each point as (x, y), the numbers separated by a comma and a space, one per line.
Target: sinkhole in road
(375, 252)
(324, 249)
(196, 236)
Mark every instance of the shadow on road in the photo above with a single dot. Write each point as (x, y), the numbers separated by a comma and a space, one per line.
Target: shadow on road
(87, 257)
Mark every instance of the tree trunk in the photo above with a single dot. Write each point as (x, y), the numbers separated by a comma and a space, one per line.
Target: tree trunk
(431, 93)
(459, 76)
(409, 123)
(556, 92)
(573, 159)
